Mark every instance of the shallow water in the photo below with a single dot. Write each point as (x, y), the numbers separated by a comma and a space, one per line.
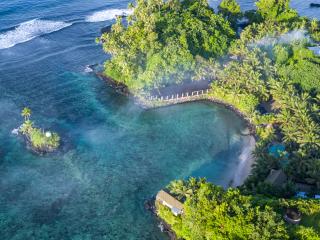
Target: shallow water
(114, 154)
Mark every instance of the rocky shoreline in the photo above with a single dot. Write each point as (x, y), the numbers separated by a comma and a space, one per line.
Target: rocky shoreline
(39, 151)
(119, 87)
(164, 227)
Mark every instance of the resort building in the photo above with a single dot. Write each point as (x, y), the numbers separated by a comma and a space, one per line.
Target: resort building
(169, 201)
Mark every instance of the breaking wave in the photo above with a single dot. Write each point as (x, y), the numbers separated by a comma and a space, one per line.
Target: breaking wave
(30, 30)
(109, 14)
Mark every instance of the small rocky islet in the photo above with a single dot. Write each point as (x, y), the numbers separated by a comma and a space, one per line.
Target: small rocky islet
(38, 140)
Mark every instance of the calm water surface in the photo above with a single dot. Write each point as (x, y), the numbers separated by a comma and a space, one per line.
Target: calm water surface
(114, 154)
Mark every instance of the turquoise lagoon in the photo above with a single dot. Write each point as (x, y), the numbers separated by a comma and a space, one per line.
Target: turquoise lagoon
(114, 155)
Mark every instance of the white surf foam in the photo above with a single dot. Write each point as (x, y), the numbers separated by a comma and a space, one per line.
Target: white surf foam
(30, 30)
(88, 69)
(15, 131)
(108, 14)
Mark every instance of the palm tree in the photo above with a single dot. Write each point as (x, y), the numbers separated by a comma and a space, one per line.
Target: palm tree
(201, 5)
(180, 189)
(131, 6)
(174, 5)
(194, 184)
(314, 25)
(26, 127)
(26, 113)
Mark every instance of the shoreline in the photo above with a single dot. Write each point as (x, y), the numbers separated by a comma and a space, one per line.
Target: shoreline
(150, 205)
(246, 158)
(38, 151)
(206, 98)
(119, 87)
(153, 104)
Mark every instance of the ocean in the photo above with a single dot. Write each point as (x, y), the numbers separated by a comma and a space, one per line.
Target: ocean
(114, 155)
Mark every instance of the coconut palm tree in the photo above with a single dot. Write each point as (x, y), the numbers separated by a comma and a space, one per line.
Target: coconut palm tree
(314, 25)
(26, 127)
(26, 113)
(180, 189)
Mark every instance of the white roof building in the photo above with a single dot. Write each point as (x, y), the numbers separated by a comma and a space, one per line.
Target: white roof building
(166, 199)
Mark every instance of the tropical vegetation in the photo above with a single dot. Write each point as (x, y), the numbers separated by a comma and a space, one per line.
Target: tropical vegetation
(39, 140)
(276, 80)
(266, 70)
(210, 212)
(163, 42)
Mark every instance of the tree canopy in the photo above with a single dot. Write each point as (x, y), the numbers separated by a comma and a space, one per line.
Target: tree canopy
(213, 213)
(267, 72)
(39, 140)
(230, 9)
(276, 10)
(161, 42)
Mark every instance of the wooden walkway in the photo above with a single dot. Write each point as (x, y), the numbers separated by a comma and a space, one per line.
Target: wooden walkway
(180, 96)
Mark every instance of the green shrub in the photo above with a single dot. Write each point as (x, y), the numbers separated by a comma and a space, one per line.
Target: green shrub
(39, 139)
(246, 103)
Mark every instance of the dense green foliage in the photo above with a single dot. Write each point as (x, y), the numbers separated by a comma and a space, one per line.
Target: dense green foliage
(213, 213)
(230, 10)
(162, 42)
(314, 28)
(269, 67)
(254, 78)
(276, 10)
(39, 140)
(272, 68)
(298, 64)
(294, 117)
(268, 73)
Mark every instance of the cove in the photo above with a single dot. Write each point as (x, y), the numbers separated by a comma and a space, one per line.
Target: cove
(111, 162)
(114, 154)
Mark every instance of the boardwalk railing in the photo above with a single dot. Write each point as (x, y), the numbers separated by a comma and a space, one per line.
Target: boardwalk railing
(180, 96)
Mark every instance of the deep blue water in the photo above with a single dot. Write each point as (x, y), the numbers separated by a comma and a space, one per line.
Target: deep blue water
(115, 155)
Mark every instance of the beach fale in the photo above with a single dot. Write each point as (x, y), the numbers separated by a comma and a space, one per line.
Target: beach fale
(166, 199)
